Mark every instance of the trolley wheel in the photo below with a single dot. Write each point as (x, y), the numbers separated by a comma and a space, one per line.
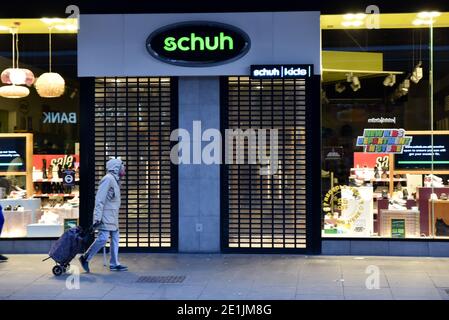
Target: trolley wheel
(66, 268)
(58, 270)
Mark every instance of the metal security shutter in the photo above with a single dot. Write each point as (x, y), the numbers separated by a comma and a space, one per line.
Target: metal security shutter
(133, 120)
(266, 212)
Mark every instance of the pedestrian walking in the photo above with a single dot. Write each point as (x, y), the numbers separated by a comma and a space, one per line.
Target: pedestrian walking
(106, 214)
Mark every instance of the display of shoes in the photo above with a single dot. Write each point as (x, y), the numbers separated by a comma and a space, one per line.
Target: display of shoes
(18, 194)
(384, 173)
(376, 172)
(50, 172)
(398, 200)
(432, 180)
(441, 228)
(405, 194)
(44, 169)
(49, 218)
(396, 206)
(37, 189)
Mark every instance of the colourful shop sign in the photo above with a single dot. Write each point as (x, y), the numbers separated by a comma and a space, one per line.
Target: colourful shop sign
(384, 140)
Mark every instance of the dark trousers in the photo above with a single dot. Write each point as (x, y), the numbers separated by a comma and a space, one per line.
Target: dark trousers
(2, 220)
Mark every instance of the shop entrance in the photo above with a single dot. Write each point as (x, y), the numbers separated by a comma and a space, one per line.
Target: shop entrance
(276, 212)
(133, 119)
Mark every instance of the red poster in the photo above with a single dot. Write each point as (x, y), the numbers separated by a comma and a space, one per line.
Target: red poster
(369, 160)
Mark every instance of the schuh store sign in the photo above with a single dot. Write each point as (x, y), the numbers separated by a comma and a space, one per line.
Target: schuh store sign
(288, 71)
(198, 44)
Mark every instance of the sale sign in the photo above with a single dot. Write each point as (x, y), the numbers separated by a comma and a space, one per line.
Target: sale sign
(56, 160)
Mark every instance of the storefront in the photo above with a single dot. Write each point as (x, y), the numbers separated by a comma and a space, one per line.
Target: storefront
(288, 132)
(206, 74)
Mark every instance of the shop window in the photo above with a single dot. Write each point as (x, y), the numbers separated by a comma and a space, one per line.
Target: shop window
(385, 156)
(36, 202)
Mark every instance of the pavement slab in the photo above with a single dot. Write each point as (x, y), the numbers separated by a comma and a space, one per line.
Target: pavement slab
(230, 277)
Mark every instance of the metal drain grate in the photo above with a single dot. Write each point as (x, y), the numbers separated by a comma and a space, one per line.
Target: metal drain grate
(161, 279)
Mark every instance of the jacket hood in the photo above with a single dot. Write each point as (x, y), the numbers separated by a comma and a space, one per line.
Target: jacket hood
(114, 166)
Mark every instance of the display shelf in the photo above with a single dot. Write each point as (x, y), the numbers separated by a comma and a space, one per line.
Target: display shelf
(57, 180)
(388, 180)
(47, 195)
(382, 179)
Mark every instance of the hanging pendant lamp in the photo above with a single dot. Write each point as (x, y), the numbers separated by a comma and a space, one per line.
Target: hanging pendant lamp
(50, 84)
(15, 76)
(14, 92)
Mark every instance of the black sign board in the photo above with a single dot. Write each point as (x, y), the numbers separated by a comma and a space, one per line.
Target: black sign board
(418, 155)
(68, 178)
(286, 71)
(198, 44)
(12, 154)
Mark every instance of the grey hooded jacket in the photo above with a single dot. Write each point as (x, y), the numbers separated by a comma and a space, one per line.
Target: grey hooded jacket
(107, 200)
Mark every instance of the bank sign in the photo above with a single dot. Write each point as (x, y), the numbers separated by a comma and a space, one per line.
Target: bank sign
(198, 44)
(288, 71)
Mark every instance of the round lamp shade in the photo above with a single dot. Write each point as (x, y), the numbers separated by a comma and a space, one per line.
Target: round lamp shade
(50, 85)
(17, 76)
(14, 92)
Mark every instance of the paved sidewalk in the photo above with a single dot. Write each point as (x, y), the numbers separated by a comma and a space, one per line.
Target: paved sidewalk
(219, 276)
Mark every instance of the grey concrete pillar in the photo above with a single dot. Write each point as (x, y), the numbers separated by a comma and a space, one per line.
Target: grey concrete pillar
(199, 184)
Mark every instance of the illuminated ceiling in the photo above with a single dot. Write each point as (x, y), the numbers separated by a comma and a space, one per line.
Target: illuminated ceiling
(386, 20)
(39, 25)
(328, 22)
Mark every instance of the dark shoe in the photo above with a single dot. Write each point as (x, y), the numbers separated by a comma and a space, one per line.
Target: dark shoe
(119, 268)
(84, 264)
(3, 258)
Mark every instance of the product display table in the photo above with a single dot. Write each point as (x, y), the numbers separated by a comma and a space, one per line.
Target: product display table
(410, 219)
(423, 195)
(15, 222)
(39, 230)
(33, 205)
(441, 211)
(383, 204)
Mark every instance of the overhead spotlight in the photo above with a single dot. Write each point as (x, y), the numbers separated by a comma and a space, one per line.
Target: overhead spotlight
(73, 94)
(390, 80)
(355, 85)
(426, 18)
(324, 99)
(417, 73)
(428, 15)
(404, 86)
(340, 87)
(349, 77)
